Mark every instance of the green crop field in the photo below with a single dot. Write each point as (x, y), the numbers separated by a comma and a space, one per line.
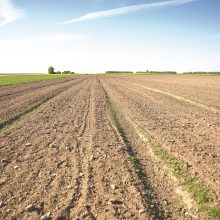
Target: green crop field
(14, 79)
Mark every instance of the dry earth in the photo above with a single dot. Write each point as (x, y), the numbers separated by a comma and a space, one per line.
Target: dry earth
(18, 100)
(89, 152)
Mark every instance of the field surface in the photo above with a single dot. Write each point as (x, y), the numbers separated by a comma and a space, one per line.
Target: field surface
(111, 147)
(15, 79)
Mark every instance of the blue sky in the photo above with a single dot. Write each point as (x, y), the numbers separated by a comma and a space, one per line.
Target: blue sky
(100, 35)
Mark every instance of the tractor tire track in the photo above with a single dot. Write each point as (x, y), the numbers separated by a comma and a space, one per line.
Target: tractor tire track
(138, 108)
(185, 128)
(84, 155)
(52, 159)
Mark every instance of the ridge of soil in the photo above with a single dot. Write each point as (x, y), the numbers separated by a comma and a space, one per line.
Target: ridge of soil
(88, 154)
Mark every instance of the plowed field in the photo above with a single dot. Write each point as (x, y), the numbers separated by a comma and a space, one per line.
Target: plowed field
(111, 147)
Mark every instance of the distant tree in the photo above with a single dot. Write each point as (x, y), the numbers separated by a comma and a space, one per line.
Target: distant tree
(58, 72)
(118, 72)
(67, 72)
(51, 70)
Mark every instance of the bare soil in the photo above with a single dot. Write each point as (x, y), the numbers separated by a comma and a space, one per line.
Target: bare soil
(16, 99)
(203, 89)
(188, 132)
(79, 155)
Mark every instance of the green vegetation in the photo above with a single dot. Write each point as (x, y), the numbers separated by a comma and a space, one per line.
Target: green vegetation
(14, 79)
(67, 72)
(51, 71)
(215, 212)
(156, 72)
(118, 72)
(199, 191)
(176, 166)
(140, 73)
(196, 75)
(202, 73)
(161, 73)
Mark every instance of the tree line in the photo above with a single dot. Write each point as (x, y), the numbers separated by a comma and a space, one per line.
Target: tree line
(51, 70)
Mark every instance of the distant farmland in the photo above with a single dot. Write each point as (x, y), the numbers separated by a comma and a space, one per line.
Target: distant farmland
(15, 79)
(110, 147)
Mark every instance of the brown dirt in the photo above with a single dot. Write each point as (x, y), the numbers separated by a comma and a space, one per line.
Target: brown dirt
(188, 132)
(76, 158)
(16, 99)
(202, 89)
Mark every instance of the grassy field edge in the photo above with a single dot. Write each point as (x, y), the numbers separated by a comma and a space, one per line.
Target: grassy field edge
(17, 79)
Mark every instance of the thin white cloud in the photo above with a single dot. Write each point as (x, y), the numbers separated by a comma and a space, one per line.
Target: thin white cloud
(126, 10)
(9, 12)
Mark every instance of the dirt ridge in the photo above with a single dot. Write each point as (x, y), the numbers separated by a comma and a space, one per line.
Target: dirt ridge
(104, 149)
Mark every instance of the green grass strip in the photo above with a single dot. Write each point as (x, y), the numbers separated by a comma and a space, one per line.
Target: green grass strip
(200, 192)
(16, 79)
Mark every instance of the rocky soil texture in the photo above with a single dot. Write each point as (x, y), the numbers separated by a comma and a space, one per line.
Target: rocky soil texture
(111, 147)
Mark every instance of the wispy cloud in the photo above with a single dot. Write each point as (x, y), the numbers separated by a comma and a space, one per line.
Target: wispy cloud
(9, 12)
(126, 10)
